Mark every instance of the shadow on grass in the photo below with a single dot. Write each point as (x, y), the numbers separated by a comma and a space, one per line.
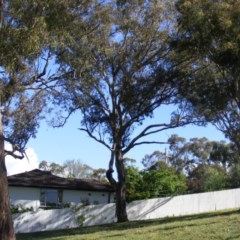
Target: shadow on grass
(119, 226)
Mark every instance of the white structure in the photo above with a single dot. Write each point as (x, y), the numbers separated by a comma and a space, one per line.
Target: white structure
(138, 210)
(41, 189)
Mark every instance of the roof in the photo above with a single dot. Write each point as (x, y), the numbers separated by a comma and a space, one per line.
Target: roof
(45, 179)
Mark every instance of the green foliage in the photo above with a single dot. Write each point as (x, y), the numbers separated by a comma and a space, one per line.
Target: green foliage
(204, 163)
(95, 202)
(215, 179)
(184, 155)
(54, 168)
(31, 34)
(29, 43)
(85, 202)
(234, 175)
(163, 182)
(224, 154)
(116, 76)
(66, 205)
(150, 160)
(81, 219)
(207, 178)
(77, 169)
(99, 174)
(158, 181)
(74, 169)
(20, 209)
(207, 165)
(134, 181)
(123, 70)
(207, 44)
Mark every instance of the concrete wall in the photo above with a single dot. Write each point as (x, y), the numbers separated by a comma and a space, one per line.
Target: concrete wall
(137, 210)
(184, 205)
(43, 220)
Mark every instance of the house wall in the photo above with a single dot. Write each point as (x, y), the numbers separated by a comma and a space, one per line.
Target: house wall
(75, 197)
(25, 196)
(30, 197)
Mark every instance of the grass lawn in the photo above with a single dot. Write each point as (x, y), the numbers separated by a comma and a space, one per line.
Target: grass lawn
(218, 226)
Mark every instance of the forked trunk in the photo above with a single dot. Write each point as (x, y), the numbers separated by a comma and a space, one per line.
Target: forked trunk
(120, 186)
(6, 223)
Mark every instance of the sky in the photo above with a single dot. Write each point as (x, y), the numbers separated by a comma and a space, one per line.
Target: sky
(68, 143)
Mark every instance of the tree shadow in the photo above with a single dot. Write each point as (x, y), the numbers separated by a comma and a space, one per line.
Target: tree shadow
(156, 206)
(122, 226)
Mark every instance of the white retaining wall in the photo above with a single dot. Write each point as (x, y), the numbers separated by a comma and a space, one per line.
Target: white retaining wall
(43, 220)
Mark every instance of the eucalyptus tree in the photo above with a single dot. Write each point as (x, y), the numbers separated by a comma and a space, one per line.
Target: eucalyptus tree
(224, 154)
(207, 44)
(30, 32)
(150, 160)
(54, 168)
(178, 154)
(77, 169)
(124, 77)
(186, 155)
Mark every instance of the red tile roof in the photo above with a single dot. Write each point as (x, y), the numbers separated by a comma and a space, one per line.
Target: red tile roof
(45, 179)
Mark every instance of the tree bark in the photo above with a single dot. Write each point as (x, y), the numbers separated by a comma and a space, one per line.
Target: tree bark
(6, 223)
(121, 206)
(120, 186)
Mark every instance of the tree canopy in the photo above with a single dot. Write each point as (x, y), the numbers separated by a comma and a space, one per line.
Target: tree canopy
(207, 165)
(117, 75)
(74, 168)
(30, 33)
(207, 45)
(115, 63)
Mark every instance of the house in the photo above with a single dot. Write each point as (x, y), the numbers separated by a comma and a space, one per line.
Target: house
(42, 189)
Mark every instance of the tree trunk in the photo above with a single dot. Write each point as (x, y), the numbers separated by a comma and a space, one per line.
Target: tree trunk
(121, 206)
(120, 186)
(6, 223)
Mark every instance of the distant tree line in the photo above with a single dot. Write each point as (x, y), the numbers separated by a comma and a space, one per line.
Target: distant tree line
(74, 169)
(193, 166)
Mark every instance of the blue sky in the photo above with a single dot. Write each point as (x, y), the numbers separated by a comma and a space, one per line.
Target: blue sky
(67, 143)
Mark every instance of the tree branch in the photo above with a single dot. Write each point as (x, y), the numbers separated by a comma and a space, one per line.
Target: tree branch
(95, 138)
(146, 132)
(110, 170)
(11, 153)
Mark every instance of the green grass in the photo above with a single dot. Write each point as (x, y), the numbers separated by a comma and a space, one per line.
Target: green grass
(218, 225)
